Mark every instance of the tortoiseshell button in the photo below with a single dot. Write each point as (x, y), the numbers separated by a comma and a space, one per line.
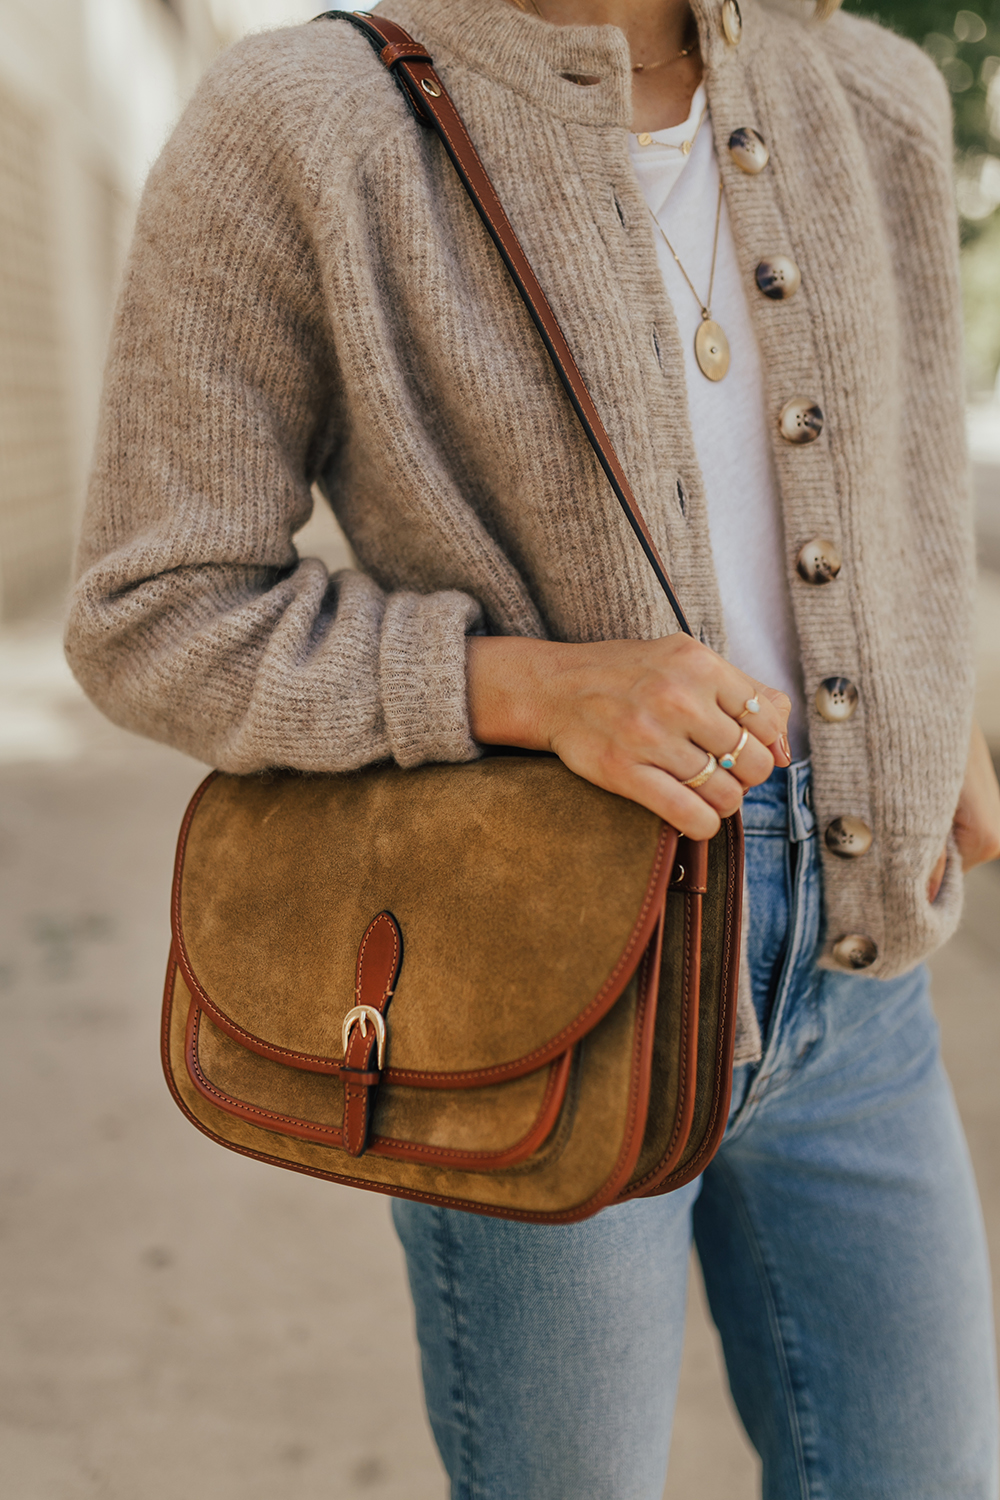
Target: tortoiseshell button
(732, 22)
(801, 421)
(778, 278)
(836, 699)
(848, 838)
(819, 561)
(855, 950)
(748, 151)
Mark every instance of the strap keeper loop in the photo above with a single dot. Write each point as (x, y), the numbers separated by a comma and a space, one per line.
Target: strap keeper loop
(396, 52)
(369, 1080)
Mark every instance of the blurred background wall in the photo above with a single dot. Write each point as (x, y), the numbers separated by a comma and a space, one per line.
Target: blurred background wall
(88, 92)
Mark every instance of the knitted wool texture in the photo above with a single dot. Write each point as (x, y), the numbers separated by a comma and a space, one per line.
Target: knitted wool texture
(311, 297)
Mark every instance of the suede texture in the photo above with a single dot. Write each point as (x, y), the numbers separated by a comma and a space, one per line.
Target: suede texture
(569, 1174)
(662, 1116)
(515, 883)
(518, 889)
(497, 1118)
(714, 1072)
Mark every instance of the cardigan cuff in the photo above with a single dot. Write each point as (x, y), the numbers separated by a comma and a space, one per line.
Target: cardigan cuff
(422, 676)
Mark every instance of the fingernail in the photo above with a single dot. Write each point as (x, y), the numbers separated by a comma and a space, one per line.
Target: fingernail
(785, 749)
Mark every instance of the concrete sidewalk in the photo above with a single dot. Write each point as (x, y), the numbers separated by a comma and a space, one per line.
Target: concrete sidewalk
(183, 1324)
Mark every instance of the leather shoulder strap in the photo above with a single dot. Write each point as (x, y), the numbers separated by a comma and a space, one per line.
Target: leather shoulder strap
(413, 70)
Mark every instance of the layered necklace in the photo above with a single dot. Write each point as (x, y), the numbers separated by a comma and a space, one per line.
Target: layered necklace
(711, 347)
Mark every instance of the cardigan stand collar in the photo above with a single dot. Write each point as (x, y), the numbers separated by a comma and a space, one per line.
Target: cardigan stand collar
(533, 57)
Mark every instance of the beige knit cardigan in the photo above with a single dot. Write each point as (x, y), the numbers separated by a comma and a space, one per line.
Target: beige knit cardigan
(310, 297)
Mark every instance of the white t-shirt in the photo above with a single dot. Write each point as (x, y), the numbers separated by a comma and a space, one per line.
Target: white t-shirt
(728, 417)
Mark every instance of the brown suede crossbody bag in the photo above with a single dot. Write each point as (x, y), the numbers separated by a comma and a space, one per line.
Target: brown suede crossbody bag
(491, 986)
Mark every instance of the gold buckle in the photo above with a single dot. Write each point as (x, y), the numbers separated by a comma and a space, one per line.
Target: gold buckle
(362, 1014)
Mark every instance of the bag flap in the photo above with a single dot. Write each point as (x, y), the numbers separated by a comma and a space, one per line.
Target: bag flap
(525, 897)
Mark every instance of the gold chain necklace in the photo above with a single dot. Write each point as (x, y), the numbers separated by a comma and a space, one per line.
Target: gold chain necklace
(664, 61)
(636, 67)
(685, 148)
(711, 347)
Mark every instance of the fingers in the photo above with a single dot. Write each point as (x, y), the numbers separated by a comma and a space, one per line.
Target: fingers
(687, 811)
(780, 748)
(770, 720)
(746, 703)
(977, 817)
(937, 877)
(640, 718)
(713, 731)
(754, 762)
(722, 792)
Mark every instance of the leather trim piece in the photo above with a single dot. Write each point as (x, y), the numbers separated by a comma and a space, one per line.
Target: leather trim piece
(306, 1130)
(691, 867)
(723, 1079)
(484, 1161)
(612, 989)
(642, 1056)
(333, 1135)
(686, 1084)
(380, 958)
(395, 52)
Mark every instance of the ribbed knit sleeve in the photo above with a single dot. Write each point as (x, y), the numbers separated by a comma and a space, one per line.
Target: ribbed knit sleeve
(193, 620)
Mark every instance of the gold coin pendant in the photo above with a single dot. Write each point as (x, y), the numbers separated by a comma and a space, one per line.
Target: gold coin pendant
(711, 350)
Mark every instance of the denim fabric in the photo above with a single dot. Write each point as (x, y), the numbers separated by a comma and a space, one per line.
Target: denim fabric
(838, 1230)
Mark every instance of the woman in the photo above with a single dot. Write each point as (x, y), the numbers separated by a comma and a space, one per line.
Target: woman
(743, 220)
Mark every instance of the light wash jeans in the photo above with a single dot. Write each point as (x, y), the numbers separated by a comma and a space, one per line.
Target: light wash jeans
(838, 1230)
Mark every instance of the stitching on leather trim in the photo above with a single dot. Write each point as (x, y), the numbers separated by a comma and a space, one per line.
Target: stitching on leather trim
(403, 1075)
(690, 1169)
(331, 1066)
(440, 1200)
(239, 1107)
(557, 1069)
(633, 1187)
(382, 917)
(178, 934)
(182, 838)
(611, 1187)
(198, 1076)
(358, 1096)
(555, 1046)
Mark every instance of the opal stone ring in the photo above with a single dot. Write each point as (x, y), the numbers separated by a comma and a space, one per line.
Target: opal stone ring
(727, 762)
(752, 706)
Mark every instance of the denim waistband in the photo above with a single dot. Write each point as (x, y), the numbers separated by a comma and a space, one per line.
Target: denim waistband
(783, 804)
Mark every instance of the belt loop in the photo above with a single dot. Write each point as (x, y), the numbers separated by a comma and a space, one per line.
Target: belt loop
(801, 818)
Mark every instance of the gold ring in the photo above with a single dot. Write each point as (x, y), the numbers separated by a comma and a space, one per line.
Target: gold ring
(727, 762)
(709, 769)
(752, 706)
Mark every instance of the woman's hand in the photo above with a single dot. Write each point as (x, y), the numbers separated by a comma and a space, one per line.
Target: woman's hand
(977, 818)
(634, 717)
